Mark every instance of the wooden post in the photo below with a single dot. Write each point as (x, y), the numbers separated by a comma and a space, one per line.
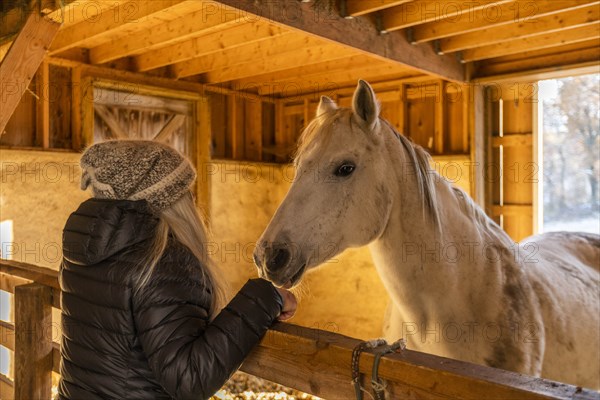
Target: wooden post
(43, 106)
(280, 130)
(440, 119)
(76, 108)
(87, 111)
(402, 110)
(203, 132)
(235, 115)
(33, 342)
(475, 100)
(253, 121)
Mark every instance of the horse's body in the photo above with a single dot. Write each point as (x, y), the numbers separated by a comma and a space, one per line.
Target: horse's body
(459, 286)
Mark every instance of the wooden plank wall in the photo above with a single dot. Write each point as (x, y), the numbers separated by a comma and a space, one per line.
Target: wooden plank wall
(433, 115)
(245, 128)
(242, 128)
(28, 128)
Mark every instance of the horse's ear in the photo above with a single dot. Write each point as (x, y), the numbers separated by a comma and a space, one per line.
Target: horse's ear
(365, 104)
(326, 104)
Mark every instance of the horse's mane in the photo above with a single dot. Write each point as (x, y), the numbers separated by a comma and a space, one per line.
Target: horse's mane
(424, 173)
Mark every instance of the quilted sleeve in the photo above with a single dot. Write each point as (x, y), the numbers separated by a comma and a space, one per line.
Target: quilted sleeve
(191, 357)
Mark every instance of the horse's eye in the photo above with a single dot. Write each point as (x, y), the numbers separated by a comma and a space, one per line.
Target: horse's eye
(345, 169)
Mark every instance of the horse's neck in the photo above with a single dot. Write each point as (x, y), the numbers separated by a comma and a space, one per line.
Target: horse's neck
(420, 264)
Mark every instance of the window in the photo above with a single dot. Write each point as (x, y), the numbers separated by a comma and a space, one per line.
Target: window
(571, 153)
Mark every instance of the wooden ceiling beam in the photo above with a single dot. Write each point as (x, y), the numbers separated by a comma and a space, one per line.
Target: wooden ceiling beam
(296, 56)
(238, 35)
(355, 8)
(522, 29)
(244, 54)
(494, 16)
(357, 33)
(532, 43)
(196, 23)
(122, 17)
(422, 11)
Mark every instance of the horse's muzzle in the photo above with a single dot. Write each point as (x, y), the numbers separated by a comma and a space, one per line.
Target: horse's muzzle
(272, 260)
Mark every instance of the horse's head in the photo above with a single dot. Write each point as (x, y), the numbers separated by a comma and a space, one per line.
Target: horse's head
(339, 197)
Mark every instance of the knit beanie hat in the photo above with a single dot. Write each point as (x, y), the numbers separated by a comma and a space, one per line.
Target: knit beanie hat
(136, 170)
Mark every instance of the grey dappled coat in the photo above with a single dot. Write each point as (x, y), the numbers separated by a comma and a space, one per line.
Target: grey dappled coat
(157, 343)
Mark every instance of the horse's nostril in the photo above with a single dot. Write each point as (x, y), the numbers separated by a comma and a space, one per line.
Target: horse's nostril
(277, 258)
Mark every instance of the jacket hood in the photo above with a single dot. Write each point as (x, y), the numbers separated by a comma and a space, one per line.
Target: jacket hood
(100, 228)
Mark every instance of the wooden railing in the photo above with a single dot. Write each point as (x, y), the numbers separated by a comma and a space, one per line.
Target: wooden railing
(310, 360)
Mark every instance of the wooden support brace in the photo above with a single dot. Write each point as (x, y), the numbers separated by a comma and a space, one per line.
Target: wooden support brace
(110, 120)
(33, 342)
(22, 60)
(170, 128)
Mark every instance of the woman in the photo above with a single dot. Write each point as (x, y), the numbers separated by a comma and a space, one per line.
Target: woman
(141, 300)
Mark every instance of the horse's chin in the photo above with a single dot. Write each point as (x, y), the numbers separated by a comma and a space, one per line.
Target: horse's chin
(291, 281)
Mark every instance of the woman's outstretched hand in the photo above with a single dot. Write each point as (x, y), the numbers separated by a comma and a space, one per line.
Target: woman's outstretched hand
(289, 304)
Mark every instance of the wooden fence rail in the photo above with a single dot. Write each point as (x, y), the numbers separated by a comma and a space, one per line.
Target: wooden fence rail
(310, 360)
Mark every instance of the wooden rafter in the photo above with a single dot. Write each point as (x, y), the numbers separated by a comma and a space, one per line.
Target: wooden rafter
(355, 8)
(527, 55)
(551, 23)
(239, 35)
(80, 10)
(328, 67)
(537, 42)
(422, 11)
(303, 56)
(196, 23)
(125, 16)
(22, 60)
(244, 54)
(373, 71)
(357, 33)
(559, 58)
(509, 13)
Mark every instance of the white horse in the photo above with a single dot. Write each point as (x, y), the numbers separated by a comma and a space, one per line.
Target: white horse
(459, 286)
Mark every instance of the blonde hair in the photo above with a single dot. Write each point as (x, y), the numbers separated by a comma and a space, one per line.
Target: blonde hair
(184, 221)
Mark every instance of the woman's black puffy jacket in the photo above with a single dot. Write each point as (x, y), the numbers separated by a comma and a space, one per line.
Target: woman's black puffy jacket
(157, 343)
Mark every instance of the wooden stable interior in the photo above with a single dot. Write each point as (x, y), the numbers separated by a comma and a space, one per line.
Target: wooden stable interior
(243, 77)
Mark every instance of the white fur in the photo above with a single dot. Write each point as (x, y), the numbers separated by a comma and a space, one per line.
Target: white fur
(459, 286)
